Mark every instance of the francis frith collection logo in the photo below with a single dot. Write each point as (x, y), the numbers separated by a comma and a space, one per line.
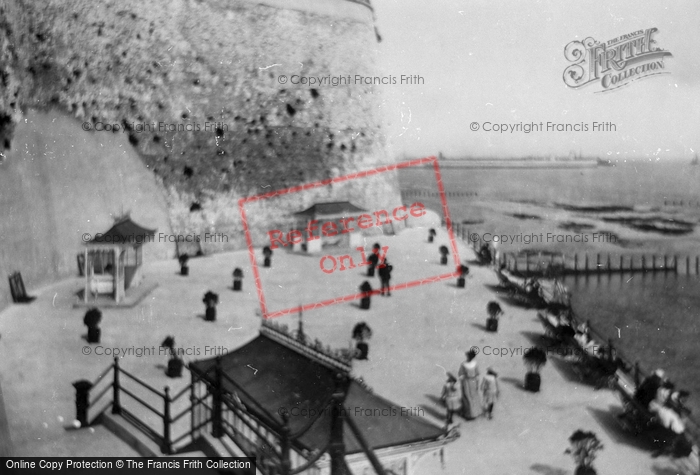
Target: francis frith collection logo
(615, 63)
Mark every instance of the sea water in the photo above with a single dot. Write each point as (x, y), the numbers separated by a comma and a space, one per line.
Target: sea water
(654, 317)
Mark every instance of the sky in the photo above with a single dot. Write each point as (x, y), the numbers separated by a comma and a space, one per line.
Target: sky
(503, 62)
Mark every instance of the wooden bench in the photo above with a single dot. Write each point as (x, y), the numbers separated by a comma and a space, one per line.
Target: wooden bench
(19, 293)
(637, 419)
(101, 284)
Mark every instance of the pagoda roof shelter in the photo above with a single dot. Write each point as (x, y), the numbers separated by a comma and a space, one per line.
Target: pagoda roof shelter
(113, 260)
(331, 211)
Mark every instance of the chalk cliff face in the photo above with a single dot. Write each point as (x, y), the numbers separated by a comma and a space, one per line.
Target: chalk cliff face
(195, 86)
(192, 89)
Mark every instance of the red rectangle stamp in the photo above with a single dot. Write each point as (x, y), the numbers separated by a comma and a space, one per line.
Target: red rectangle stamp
(333, 246)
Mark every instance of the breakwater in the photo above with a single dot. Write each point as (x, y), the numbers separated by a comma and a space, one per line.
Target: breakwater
(556, 264)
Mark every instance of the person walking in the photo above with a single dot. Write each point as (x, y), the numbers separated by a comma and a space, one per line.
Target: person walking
(489, 391)
(469, 378)
(385, 276)
(451, 398)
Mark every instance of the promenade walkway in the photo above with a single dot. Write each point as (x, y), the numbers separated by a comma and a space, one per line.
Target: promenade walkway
(419, 334)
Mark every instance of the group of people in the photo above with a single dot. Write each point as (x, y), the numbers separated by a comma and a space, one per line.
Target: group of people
(565, 328)
(383, 269)
(470, 394)
(596, 361)
(660, 397)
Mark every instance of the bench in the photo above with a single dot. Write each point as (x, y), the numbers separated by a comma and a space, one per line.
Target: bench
(637, 419)
(102, 284)
(19, 293)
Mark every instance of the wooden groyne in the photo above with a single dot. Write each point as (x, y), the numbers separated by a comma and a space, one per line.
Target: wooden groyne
(435, 194)
(557, 264)
(684, 203)
(598, 263)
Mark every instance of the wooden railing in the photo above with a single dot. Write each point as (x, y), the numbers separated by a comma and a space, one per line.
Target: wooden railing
(254, 430)
(120, 384)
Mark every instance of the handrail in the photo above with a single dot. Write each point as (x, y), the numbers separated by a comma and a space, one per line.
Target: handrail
(93, 401)
(248, 424)
(303, 430)
(346, 467)
(153, 409)
(255, 402)
(191, 431)
(101, 376)
(142, 426)
(376, 465)
(184, 390)
(233, 433)
(107, 405)
(310, 462)
(185, 411)
(147, 386)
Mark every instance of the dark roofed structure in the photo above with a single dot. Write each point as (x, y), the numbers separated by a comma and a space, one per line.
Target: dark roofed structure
(124, 231)
(331, 209)
(302, 378)
(113, 262)
(330, 212)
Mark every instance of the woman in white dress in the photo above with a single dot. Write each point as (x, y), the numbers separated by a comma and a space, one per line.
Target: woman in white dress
(469, 379)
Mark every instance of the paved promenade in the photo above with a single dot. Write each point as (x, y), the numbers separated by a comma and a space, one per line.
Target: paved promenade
(419, 334)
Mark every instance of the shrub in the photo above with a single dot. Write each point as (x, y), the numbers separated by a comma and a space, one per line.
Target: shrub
(92, 317)
(535, 358)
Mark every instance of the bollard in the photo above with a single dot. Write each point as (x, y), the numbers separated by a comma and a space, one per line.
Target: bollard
(362, 350)
(621, 264)
(366, 290)
(267, 252)
(463, 272)
(444, 252)
(82, 401)
(237, 278)
(175, 365)
(92, 319)
(210, 300)
(575, 263)
(184, 269)
(210, 314)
